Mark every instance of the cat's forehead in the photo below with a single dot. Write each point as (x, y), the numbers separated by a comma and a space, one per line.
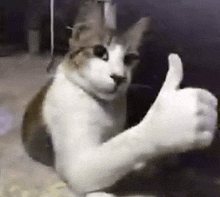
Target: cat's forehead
(113, 40)
(110, 38)
(107, 38)
(116, 50)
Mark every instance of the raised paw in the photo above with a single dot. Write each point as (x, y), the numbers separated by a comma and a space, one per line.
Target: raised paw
(182, 119)
(207, 118)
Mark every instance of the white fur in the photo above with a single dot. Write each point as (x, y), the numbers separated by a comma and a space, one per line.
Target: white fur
(92, 152)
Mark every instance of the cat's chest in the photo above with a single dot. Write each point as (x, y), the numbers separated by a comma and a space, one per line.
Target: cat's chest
(108, 118)
(76, 111)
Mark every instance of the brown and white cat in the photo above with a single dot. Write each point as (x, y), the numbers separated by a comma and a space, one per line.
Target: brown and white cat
(76, 123)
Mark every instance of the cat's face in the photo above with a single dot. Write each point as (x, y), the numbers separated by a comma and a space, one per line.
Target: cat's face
(102, 70)
(100, 62)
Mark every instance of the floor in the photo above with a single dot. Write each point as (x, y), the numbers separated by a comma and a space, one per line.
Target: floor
(21, 76)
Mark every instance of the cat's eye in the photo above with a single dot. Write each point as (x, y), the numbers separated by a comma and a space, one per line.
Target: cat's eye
(101, 52)
(130, 58)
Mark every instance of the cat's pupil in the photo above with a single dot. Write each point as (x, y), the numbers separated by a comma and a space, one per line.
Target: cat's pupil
(101, 52)
(130, 58)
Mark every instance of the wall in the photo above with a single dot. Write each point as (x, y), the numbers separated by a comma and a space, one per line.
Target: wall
(16, 20)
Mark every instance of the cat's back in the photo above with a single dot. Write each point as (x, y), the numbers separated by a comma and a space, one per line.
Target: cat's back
(35, 135)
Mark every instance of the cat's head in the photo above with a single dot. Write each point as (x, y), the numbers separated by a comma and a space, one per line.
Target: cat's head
(100, 60)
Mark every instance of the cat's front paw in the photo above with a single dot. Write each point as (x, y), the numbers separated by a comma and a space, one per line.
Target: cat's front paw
(182, 119)
(186, 120)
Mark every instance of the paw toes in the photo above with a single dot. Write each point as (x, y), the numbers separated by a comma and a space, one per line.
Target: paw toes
(204, 139)
(205, 96)
(207, 120)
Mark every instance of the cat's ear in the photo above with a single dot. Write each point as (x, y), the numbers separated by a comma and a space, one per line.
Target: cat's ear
(87, 26)
(135, 34)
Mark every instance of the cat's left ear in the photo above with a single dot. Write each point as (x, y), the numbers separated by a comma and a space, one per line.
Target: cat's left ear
(135, 34)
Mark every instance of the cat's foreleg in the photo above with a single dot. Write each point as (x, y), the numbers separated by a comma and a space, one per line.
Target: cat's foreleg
(98, 167)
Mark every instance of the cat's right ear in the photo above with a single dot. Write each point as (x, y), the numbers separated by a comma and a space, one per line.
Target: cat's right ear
(88, 25)
(80, 32)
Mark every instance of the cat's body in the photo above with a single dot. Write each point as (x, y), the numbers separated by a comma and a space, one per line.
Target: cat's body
(83, 112)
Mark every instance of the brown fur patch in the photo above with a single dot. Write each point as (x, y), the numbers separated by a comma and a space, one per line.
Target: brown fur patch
(76, 60)
(36, 140)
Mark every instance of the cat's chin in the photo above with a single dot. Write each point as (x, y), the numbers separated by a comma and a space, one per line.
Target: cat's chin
(109, 96)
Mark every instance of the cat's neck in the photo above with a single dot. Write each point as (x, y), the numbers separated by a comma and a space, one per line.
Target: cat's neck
(67, 94)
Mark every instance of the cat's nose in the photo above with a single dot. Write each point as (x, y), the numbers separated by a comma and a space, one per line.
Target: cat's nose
(118, 79)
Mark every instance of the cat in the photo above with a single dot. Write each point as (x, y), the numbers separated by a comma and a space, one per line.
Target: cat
(76, 122)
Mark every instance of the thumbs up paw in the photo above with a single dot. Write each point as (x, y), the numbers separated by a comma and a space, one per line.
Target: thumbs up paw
(182, 119)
